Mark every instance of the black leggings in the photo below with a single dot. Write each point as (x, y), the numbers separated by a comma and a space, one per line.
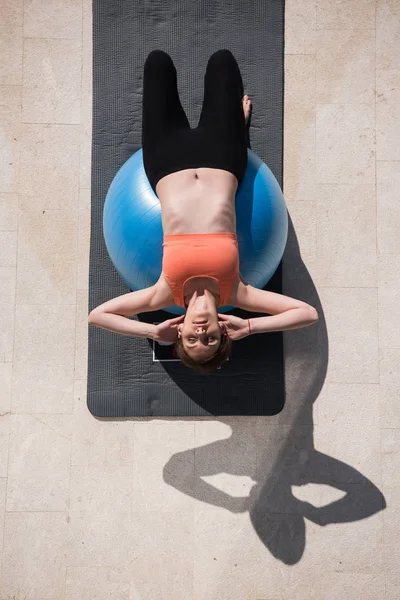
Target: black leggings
(219, 141)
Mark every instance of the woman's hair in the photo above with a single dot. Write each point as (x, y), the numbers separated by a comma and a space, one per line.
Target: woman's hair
(211, 364)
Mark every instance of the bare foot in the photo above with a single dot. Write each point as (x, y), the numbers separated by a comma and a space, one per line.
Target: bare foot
(246, 107)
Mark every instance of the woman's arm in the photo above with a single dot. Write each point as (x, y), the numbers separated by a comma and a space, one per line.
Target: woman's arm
(112, 315)
(286, 313)
(294, 318)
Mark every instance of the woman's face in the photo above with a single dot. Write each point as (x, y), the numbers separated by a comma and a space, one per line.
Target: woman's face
(200, 332)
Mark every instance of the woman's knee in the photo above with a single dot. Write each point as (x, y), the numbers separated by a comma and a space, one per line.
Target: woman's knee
(158, 59)
(222, 56)
(223, 64)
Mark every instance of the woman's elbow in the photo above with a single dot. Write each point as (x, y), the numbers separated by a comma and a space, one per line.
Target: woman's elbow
(312, 315)
(93, 317)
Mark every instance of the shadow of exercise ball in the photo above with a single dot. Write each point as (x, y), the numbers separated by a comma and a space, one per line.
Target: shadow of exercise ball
(133, 230)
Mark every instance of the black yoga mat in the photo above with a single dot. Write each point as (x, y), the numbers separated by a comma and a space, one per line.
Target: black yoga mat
(125, 376)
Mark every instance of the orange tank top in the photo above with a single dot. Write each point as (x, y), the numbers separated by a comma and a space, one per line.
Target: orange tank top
(191, 255)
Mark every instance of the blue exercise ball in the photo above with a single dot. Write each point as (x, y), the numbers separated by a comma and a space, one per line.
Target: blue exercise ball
(133, 230)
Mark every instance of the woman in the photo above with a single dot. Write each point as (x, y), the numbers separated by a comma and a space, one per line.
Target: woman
(195, 174)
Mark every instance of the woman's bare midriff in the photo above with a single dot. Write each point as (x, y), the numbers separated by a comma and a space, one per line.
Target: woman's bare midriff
(200, 200)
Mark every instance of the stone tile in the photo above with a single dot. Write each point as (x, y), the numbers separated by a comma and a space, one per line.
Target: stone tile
(392, 565)
(10, 118)
(331, 585)
(81, 334)
(226, 466)
(8, 248)
(346, 227)
(51, 90)
(299, 129)
(301, 356)
(38, 479)
(392, 592)
(300, 82)
(387, 34)
(4, 442)
(97, 539)
(352, 14)
(306, 348)
(335, 475)
(389, 326)
(34, 555)
(345, 143)
(87, 95)
(47, 256)
(86, 147)
(226, 555)
(3, 488)
(168, 546)
(352, 326)
(210, 431)
(8, 212)
(87, 49)
(391, 516)
(101, 488)
(82, 282)
(85, 201)
(320, 495)
(388, 209)
(55, 19)
(7, 313)
(388, 264)
(11, 13)
(356, 444)
(99, 441)
(228, 490)
(81, 361)
(270, 573)
(389, 389)
(339, 546)
(50, 167)
(285, 458)
(5, 387)
(300, 24)
(388, 114)
(163, 466)
(11, 44)
(368, 585)
(392, 498)
(390, 456)
(44, 359)
(97, 583)
(10, 148)
(274, 444)
(299, 178)
(346, 403)
(304, 217)
(345, 63)
(10, 104)
(392, 561)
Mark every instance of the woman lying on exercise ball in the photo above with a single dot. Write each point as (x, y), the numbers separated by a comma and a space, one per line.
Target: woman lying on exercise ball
(195, 174)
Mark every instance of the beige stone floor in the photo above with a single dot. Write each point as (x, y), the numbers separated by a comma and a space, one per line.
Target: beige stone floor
(116, 510)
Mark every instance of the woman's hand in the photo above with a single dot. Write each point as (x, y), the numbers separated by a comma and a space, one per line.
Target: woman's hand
(167, 331)
(235, 327)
